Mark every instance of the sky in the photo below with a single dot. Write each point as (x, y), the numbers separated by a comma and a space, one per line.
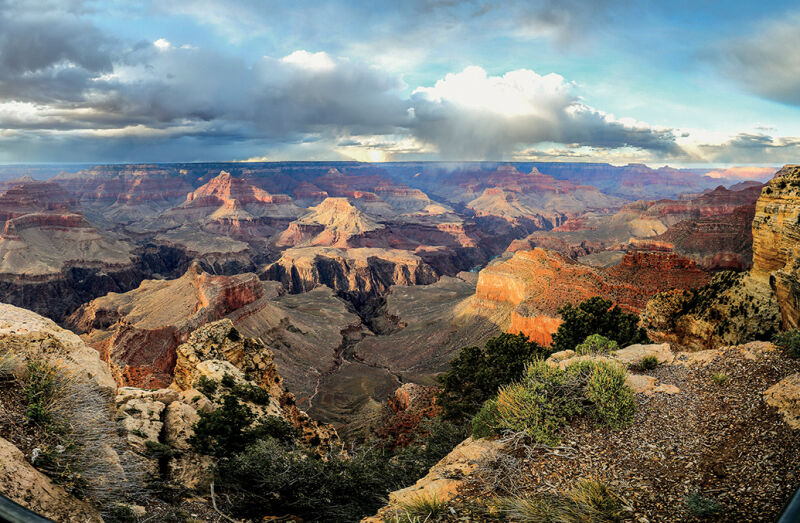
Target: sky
(691, 83)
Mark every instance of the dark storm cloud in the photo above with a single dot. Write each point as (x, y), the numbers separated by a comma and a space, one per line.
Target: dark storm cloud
(48, 53)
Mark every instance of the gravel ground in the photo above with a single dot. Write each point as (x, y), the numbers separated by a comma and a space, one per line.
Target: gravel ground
(718, 439)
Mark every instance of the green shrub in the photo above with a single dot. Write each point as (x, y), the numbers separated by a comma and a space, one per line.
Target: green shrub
(789, 342)
(224, 431)
(251, 393)
(207, 386)
(596, 344)
(596, 316)
(483, 424)
(587, 501)
(39, 390)
(649, 363)
(613, 403)
(547, 397)
(423, 508)
(719, 378)
(270, 478)
(263, 469)
(700, 505)
(228, 381)
(477, 373)
(274, 427)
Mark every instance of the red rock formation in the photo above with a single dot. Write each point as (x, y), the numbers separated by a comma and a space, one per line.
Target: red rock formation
(134, 183)
(34, 197)
(528, 289)
(137, 332)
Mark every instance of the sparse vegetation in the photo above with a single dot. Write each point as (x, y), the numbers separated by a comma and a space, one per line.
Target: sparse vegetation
(789, 342)
(719, 378)
(207, 386)
(423, 508)
(548, 397)
(251, 393)
(649, 363)
(596, 344)
(476, 373)
(596, 316)
(225, 430)
(228, 381)
(587, 501)
(702, 506)
(39, 389)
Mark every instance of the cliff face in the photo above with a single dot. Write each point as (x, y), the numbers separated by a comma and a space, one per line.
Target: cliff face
(362, 271)
(137, 332)
(525, 291)
(776, 237)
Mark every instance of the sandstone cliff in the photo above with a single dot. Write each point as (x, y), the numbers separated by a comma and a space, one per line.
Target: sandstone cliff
(776, 236)
(81, 448)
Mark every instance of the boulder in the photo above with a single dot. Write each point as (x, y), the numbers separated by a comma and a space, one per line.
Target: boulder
(634, 354)
(785, 396)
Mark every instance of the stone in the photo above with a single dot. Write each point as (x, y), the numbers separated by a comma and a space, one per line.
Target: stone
(785, 396)
(634, 354)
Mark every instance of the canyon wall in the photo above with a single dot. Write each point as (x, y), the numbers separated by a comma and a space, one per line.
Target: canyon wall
(776, 241)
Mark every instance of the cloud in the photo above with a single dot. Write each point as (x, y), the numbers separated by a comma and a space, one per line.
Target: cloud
(48, 52)
(766, 62)
(471, 115)
(749, 148)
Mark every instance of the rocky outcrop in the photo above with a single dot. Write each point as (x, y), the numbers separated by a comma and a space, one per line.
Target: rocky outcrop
(226, 197)
(30, 336)
(731, 309)
(776, 236)
(86, 447)
(524, 292)
(785, 396)
(213, 349)
(405, 409)
(443, 479)
(137, 332)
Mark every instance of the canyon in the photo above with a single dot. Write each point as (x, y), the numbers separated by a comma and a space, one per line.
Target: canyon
(361, 278)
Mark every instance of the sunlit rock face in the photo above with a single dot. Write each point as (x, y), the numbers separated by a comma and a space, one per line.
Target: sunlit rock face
(776, 237)
(526, 290)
